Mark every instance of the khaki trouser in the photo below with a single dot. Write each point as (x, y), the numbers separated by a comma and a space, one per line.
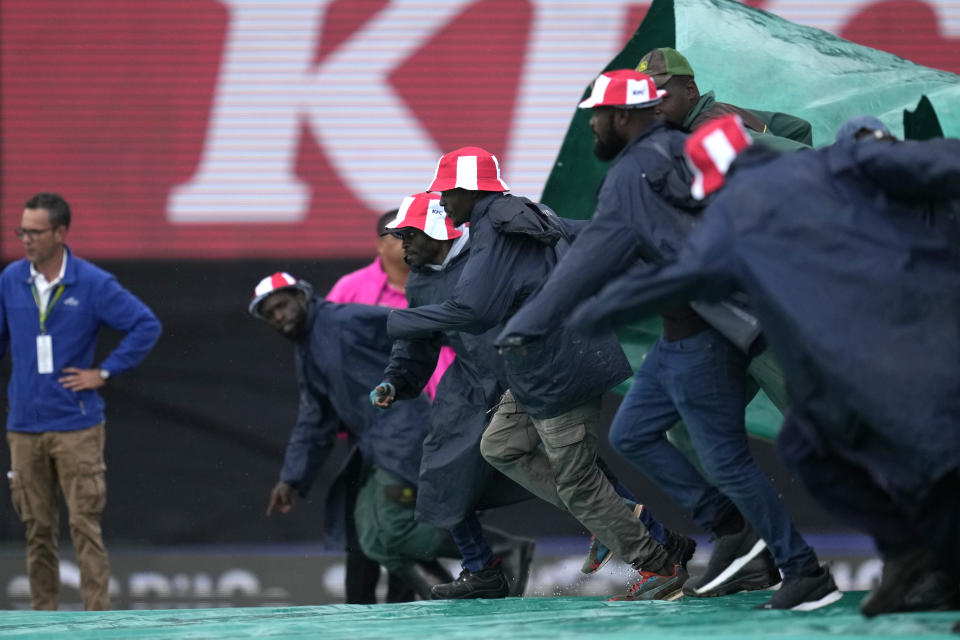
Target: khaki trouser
(72, 460)
(564, 472)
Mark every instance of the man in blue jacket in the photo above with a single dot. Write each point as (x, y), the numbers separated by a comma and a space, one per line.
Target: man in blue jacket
(553, 386)
(455, 480)
(860, 300)
(645, 210)
(339, 349)
(52, 305)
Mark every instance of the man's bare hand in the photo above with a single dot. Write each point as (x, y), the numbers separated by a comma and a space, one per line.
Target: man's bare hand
(383, 395)
(80, 379)
(281, 498)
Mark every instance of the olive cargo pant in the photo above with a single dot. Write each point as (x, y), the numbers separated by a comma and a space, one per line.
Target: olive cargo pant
(73, 462)
(564, 472)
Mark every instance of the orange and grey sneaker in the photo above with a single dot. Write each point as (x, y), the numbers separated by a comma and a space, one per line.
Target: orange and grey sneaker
(655, 586)
(599, 554)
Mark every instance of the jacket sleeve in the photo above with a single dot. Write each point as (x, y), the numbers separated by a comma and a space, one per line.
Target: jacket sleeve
(120, 309)
(777, 143)
(784, 125)
(605, 247)
(412, 363)
(310, 441)
(703, 271)
(928, 170)
(483, 296)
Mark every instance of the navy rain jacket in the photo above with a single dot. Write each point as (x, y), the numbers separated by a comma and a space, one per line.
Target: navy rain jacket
(340, 359)
(859, 298)
(644, 212)
(513, 248)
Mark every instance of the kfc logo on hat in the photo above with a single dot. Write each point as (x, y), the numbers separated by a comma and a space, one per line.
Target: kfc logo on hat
(624, 88)
(423, 211)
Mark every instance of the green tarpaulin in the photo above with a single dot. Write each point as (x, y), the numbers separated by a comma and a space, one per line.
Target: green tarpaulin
(754, 59)
(727, 618)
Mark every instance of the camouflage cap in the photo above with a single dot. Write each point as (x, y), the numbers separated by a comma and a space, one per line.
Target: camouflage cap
(664, 63)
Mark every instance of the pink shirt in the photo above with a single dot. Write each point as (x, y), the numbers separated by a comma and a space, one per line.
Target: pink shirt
(369, 285)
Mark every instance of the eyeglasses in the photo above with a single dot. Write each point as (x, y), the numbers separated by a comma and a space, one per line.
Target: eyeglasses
(33, 234)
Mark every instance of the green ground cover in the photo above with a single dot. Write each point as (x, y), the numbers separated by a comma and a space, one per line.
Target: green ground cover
(513, 619)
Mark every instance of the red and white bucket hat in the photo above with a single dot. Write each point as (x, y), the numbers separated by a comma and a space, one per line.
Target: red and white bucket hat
(272, 284)
(423, 211)
(711, 149)
(470, 168)
(624, 88)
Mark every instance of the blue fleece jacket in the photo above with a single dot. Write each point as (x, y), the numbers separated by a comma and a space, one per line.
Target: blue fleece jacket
(91, 297)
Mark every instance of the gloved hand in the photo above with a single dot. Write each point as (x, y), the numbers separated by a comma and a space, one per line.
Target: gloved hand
(383, 395)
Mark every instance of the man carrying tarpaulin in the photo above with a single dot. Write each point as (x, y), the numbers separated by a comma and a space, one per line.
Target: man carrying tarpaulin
(555, 386)
(338, 348)
(454, 479)
(693, 373)
(685, 108)
(860, 301)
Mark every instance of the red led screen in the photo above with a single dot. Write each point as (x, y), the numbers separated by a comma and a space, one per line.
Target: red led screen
(240, 128)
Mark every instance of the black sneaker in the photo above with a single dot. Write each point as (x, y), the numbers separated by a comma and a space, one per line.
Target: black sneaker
(805, 593)
(654, 586)
(739, 562)
(680, 548)
(486, 583)
(909, 583)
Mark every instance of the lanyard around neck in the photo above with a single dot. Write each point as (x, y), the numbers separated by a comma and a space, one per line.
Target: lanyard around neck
(45, 312)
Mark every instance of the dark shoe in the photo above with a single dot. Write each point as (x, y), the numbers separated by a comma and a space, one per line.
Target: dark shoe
(739, 562)
(653, 586)
(680, 548)
(486, 583)
(515, 562)
(910, 584)
(423, 576)
(805, 593)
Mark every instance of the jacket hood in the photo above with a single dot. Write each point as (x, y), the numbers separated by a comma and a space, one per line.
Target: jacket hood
(516, 215)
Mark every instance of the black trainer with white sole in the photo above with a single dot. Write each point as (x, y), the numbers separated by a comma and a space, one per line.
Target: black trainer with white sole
(739, 562)
(805, 593)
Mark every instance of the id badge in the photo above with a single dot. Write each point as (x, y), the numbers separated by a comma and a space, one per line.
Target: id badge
(44, 353)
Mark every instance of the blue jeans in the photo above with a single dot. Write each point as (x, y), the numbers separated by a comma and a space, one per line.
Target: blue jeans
(468, 536)
(701, 380)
